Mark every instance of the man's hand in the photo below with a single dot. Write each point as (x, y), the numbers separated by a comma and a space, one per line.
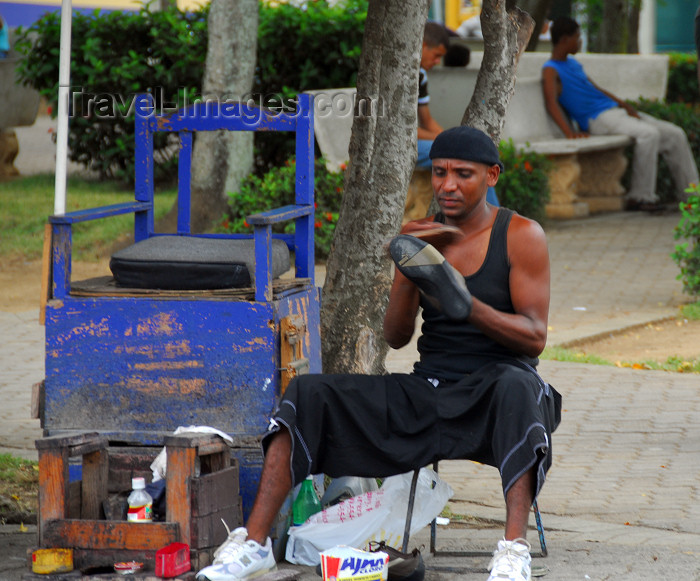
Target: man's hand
(433, 233)
(631, 111)
(577, 134)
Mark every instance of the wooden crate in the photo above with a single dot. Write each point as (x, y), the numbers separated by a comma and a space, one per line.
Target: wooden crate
(195, 505)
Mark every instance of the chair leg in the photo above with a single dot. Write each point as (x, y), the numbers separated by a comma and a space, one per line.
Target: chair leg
(409, 512)
(540, 528)
(433, 531)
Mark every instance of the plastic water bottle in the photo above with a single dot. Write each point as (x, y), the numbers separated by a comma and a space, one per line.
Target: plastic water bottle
(140, 502)
(306, 503)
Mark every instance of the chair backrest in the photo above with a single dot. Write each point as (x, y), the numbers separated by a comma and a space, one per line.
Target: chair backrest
(232, 116)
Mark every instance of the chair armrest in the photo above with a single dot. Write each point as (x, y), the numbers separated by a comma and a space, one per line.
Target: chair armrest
(277, 215)
(101, 212)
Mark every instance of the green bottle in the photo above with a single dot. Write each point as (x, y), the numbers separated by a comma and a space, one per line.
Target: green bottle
(306, 503)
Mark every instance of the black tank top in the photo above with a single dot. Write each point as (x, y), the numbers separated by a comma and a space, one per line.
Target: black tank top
(451, 349)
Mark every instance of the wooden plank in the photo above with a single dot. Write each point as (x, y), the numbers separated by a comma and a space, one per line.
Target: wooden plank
(106, 286)
(211, 492)
(95, 472)
(53, 486)
(208, 531)
(45, 274)
(76, 444)
(178, 496)
(101, 534)
(215, 462)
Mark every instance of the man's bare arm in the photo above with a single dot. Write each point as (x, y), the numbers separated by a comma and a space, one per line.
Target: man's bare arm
(525, 331)
(550, 89)
(428, 128)
(631, 111)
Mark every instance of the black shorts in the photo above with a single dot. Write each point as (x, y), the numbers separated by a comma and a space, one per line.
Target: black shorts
(380, 425)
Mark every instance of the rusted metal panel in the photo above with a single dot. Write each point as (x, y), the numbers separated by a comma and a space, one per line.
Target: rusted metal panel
(149, 366)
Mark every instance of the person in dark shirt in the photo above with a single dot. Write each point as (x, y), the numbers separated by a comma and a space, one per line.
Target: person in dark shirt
(483, 286)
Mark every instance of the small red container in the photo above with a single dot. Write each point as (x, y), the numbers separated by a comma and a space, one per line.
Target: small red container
(173, 560)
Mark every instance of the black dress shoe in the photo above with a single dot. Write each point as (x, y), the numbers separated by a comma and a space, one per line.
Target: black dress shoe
(650, 207)
(437, 279)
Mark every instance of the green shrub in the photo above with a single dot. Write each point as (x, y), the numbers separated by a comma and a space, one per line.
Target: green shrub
(682, 78)
(275, 189)
(317, 47)
(687, 253)
(523, 186)
(683, 115)
(314, 47)
(163, 55)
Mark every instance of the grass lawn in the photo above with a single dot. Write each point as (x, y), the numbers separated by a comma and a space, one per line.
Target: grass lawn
(26, 203)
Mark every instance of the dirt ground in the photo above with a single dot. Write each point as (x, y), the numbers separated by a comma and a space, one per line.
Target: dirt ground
(20, 290)
(658, 342)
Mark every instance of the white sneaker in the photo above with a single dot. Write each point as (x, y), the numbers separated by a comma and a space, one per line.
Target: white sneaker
(235, 538)
(511, 560)
(238, 559)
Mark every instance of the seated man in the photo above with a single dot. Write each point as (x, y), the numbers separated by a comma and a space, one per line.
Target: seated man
(568, 90)
(474, 394)
(436, 42)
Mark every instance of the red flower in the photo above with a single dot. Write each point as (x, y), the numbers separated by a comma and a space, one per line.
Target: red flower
(343, 167)
(528, 166)
(329, 216)
(318, 224)
(245, 223)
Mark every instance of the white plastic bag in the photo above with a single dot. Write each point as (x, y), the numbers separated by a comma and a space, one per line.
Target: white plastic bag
(373, 516)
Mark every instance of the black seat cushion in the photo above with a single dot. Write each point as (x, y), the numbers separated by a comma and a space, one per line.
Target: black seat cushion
(191, 263)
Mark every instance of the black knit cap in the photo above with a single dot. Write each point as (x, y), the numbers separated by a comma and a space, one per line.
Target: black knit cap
(467, 143)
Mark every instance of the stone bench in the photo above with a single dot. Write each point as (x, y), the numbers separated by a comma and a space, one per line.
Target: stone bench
(627, 76)
(587, 172)
(20, 105)
(586, 175)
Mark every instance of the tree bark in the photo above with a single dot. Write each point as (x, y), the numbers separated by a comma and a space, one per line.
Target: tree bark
(506, 34)
(221, 159)
(538, 9)
(633, 26)
(382, 156)
(612, 37)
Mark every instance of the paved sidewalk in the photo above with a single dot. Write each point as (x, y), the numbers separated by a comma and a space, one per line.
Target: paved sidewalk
(623, 497)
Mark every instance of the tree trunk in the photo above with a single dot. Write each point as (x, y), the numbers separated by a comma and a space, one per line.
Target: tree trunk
(382, 156)
(221, 159)
(612, 36)
(633, 27)
(538, 9)
(506, 34)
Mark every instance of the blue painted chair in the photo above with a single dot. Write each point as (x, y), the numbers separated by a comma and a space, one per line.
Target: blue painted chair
(134, 364)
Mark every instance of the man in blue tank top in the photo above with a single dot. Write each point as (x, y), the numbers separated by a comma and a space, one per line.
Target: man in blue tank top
(483, 287)
(569, 92)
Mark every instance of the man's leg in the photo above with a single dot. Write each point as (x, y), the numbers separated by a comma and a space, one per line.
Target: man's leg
(511, 559)
(519, 499)
(275, 484)
(674, 147)
(646, 149)
(248, 553)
